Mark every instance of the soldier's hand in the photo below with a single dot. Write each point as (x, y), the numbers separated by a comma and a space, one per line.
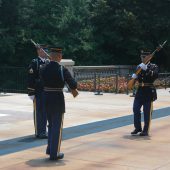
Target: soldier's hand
(134, 76)
(143, 66)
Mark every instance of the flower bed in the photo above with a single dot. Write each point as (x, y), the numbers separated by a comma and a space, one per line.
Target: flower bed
(108, 84)
(114, 84)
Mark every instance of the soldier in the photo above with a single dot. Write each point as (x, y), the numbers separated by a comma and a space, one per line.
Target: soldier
(54, 77)
(145, 95)
(36, 94)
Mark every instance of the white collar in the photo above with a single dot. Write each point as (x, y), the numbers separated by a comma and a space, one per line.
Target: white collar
(42, 59)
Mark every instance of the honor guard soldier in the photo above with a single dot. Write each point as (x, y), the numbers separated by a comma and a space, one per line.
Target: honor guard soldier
(145, 95)
(54, 77)
(35, 92)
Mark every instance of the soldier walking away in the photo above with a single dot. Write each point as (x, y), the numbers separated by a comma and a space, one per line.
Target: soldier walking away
(145, 95)
(36, 94)
(54, 77)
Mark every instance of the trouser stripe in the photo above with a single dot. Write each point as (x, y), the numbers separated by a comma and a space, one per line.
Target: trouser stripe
(35, 115)
(150, 116)
(60, 135)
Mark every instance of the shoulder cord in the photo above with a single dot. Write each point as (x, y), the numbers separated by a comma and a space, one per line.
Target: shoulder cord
(37, 65)
(62, 75)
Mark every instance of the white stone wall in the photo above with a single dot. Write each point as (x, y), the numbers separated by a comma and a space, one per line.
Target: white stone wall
(68, 63)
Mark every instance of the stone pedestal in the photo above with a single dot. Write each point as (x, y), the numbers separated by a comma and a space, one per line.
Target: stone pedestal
(68, 63)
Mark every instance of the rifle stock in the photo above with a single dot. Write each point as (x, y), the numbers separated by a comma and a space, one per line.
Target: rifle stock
(131, 83)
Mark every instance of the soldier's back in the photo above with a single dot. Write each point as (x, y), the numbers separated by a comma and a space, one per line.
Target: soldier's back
(52, 76)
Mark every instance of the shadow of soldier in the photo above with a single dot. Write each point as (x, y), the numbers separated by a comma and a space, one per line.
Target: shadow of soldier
(45, 162)
(137, 137)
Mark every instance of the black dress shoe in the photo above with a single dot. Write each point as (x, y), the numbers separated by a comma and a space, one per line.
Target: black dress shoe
(136, 131)
(60, 156)
(47, 151)
(143, 134)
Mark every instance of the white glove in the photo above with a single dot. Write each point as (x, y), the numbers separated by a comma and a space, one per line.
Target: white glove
(143, 66)
(32, 97)
(134, 76)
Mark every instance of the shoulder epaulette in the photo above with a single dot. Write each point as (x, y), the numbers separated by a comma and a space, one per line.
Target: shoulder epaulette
(34, 60)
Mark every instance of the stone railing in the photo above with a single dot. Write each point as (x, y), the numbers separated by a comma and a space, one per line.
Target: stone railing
(89, 78)
(116, 69)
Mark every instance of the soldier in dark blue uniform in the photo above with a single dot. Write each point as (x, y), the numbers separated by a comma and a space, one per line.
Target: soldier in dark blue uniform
(145, 96)
(54, 77)
(35, 92)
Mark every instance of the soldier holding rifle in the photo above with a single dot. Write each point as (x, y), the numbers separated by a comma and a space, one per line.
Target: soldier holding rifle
(35, 91)
(146, 74)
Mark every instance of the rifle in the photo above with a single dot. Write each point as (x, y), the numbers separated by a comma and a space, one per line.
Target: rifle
(74, 92)
(147, 59)
(38, 46)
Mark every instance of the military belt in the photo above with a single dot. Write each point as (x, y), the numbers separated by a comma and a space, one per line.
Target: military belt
(53, 89)
(145, 84)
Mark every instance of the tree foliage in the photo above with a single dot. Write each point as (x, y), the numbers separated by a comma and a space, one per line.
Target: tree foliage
(92, 32)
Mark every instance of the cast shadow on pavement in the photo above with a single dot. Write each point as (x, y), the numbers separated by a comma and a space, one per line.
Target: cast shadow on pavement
(45, 162)
(137, 137)
(27, 142)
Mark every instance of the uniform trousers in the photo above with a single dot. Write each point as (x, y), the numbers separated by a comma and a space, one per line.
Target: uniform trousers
(147, 110)
(40, 117)
(55, 126)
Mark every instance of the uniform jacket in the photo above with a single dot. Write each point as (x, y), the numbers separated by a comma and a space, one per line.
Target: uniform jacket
(34, 83)
(146, 90)
(53, 77)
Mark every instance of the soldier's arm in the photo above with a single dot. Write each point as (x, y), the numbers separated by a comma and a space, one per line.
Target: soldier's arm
(31, 78)
(69, 79)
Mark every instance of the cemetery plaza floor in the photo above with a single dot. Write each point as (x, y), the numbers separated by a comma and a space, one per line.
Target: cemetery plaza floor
(96, 134)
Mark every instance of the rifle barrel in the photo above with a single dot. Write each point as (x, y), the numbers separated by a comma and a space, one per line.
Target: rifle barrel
(36, 44)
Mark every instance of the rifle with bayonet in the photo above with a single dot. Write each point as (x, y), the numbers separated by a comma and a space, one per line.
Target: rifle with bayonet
(146, 60)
